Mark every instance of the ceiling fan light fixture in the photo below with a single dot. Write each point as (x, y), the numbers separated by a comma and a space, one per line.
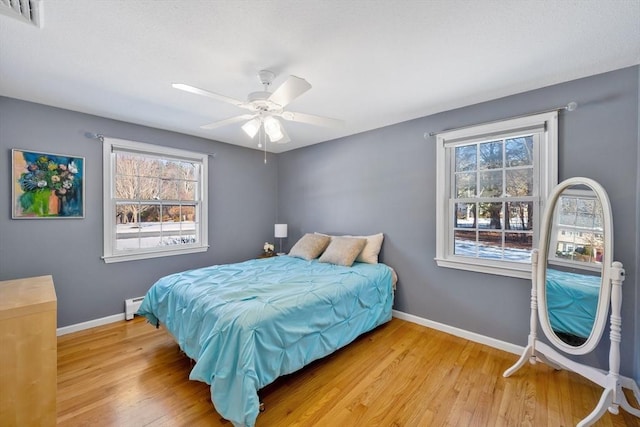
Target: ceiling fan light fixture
(272, 128)
(252, 127)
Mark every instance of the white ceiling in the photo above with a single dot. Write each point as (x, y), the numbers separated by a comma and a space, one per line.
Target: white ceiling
(371, 63)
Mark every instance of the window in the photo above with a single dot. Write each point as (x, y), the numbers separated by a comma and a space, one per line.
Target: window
(492, 180)
(155, 201)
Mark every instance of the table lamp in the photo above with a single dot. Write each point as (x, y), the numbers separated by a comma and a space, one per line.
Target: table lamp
(280, 232)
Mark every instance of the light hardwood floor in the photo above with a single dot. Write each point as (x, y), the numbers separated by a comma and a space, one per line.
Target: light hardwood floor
(401, 374)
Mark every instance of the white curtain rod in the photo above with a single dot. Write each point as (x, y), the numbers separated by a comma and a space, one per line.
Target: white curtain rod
(100, 137)
(571, 106)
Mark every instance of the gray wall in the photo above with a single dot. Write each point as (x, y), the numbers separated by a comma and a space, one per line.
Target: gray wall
(384, 181)
(242, 210)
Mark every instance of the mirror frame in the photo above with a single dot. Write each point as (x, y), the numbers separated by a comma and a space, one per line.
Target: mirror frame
(605, 279)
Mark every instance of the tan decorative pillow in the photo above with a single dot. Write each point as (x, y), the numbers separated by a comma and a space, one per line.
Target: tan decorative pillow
(343, 250)
(370, 251)
(310, 246)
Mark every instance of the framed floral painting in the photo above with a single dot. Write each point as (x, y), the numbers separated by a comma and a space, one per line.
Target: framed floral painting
(47, 185)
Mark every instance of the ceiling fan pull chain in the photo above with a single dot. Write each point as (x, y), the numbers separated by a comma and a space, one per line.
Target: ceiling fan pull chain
(261, 137)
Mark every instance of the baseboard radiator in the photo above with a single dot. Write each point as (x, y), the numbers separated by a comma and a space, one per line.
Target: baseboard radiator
(131, 305)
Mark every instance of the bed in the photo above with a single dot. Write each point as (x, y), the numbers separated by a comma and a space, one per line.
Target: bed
(248, 323)
(572, 302)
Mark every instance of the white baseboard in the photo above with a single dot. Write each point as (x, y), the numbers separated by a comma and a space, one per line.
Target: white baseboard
(89, 324)
(471, 336)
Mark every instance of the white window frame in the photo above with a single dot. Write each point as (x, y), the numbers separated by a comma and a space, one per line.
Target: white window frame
(546, 163)
(111, 254)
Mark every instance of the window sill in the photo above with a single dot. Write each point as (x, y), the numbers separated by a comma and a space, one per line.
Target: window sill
(108, 259)
(480, 266)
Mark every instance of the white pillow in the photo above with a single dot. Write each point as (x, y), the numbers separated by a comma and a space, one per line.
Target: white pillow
(371, 249)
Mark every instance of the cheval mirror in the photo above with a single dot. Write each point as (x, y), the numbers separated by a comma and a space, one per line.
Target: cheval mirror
(574, 280)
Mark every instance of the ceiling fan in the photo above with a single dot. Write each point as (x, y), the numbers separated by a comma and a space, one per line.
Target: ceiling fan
(266, 108)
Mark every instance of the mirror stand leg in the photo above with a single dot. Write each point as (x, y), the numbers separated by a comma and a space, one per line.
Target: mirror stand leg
(622, 400)
(605, 401)
(526, 354)
(630, 384)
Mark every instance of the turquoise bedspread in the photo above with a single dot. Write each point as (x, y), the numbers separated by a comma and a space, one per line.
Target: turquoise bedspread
(572, 301)
(246, 324)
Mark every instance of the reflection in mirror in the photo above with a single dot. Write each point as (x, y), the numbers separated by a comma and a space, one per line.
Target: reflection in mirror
(574, 265)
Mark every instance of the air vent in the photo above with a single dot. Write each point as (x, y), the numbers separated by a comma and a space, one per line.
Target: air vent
(29, 11)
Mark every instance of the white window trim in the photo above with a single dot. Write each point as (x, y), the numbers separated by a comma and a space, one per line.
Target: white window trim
(108, 168)
(548, 178)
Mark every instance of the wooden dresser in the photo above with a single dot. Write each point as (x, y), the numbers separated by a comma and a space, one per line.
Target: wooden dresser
(28, 352)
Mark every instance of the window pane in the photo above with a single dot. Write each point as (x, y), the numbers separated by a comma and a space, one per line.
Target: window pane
(567, 214)
(519, 151)
(171, 214)
(490, 184)
(583, 251)
(519, 216)
(178, 227)
(187, 190)
(518, 246)
(171, 169)
(189, 213)
(490, 215)
(466, 158)
(149, 226)
(127, 227)
(168, 190)
(465, 243)
(466, 184)
(149, 214)
(126, 163)
(519, 182)
(148, 188)
(465, 216)
(185, 238)
(490, 155)
(127, 241)
(126, 187)
(148, 167)
(190, 171)
(585, 212)
(127, 213)
(598, 220)
(490, 245)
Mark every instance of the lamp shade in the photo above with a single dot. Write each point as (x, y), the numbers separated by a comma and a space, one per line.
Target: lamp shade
(252, 127)
(272, 128)
(280, 231)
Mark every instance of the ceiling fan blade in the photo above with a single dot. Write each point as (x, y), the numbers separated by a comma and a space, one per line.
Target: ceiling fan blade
(312, 119)
(292, 88)
(229, 121)
(198, 91)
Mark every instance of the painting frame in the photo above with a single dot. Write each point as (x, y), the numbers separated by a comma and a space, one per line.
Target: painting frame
(47, 185)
